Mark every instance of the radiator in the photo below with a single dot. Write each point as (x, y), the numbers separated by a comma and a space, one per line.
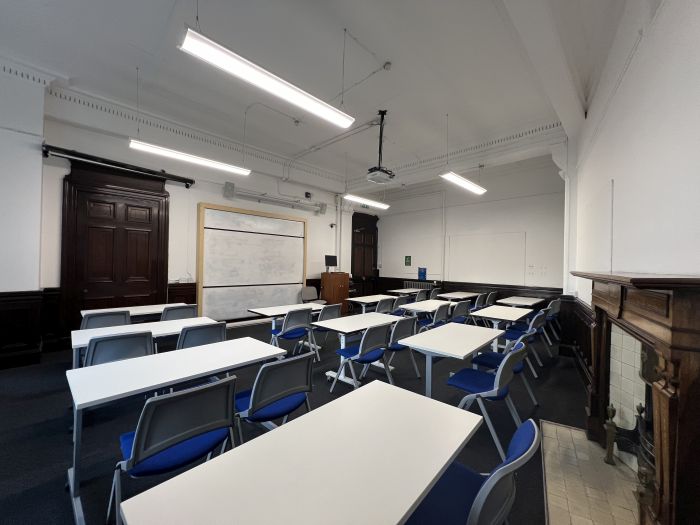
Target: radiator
(422, 285)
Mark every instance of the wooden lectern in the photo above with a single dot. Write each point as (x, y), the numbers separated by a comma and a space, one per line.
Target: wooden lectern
(334, 288)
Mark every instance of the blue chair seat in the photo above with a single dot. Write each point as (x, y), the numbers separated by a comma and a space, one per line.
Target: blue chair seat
(173, 457)
(396, 347)
(451, 499)
(297, 333)
(476, 381)
(398, 312)
(512, 335)
(459, 319)
(494, 359)
(369, 357)
(275, 410)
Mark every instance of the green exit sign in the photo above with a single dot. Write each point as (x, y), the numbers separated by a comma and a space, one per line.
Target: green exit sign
(407, 260)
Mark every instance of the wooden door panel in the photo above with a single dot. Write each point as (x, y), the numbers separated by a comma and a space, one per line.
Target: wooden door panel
(99, 255)
(138, 255)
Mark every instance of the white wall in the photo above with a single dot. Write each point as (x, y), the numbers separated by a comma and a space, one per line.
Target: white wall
(183, 203)
(21, 121)
(522, 197)
(642, 132)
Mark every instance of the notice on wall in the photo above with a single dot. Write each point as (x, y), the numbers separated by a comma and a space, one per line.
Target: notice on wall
(407, 260)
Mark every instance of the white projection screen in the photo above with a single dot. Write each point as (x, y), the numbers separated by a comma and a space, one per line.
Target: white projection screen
(247, 259)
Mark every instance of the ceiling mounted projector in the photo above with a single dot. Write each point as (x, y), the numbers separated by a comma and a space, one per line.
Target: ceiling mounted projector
(379, 174)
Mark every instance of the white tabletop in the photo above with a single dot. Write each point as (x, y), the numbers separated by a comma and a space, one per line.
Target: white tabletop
(279, 311)
(429, 305)
(458, 295)
(504, 313)
(520, 301)
(81, 338)
(452, 340)
(289, 475)
(356, 323)
(405, 290)
(99, 384)
(370, 299)
(148, 309)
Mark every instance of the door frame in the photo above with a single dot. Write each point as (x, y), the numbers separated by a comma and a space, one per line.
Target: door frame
(92, 178)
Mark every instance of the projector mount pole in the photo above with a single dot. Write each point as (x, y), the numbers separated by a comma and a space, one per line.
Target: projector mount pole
(382, 114)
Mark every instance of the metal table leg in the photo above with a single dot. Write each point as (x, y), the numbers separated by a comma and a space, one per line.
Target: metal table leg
(342, 377)
(74, 471)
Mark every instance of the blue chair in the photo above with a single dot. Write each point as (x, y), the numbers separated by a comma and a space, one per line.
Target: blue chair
(104, 319)
(398, 303)
(110, 348)
(462, 496)
(296, 327)
(384, 306)
(481, 386)
(403, 328)
(435, 292)
(279, 389)
(422, 295)
(370, 350)
(440, 317)
(492, 360)
(553, 317)
(331, 311)
(460, 313)
(175, 430)
(199, 335)
(534, 328)
(478, 305)
(186, 311)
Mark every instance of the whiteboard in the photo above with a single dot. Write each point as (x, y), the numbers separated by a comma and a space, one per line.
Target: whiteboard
(497, 258)
(247, 260)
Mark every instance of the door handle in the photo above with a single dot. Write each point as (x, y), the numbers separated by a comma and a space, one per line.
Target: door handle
(85, 290)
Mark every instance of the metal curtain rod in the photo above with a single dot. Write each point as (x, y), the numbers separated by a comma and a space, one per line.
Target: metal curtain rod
(55, 151)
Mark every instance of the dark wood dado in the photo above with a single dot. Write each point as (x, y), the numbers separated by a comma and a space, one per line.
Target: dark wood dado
(662, 312)
(578, 321)
(504, 290)
(182, 293)
(20, 335)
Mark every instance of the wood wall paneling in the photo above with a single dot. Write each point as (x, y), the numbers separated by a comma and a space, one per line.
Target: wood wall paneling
(20, 328)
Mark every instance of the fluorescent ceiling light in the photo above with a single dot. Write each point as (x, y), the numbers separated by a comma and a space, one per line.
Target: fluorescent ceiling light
(464, 183)
(368, 202)
(186, 157)
(217, 55)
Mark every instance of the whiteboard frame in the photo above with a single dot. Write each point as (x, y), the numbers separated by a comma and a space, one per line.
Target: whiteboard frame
(201, 210)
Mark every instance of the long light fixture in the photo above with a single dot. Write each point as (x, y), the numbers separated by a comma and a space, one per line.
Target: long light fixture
(464, 183)
(223, 58)
(186, 157)
(367, 202)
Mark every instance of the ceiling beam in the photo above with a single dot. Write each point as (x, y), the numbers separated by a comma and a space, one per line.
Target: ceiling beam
(534, 26)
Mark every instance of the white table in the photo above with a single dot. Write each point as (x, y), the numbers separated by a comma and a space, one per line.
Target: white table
(275, 312)
(520, 301)
(322, 467)
(351, 325)
(135, 311)
(496, 314)
(454, 340)
(368, 300)
(458, 296)
(98, 385)
(404, 291)
(81, 338)
(428, 306)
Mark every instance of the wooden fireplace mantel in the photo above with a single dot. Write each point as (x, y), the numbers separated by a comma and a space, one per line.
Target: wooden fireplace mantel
(663, 311)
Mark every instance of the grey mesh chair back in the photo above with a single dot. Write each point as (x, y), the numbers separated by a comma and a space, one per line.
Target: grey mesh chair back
(308, 293)
(554, 307)
(332, 311)
(441, 314)
(104, 319)
(495, 498)
(384, 306)
(201, 335)
(280, 379)
(491, 299)
(403, 328)
(504, 373)
(399, 302)
(434, 292)
(172, 418)
(538, 321)
(461, 309)
(422, 295)
(296, 319)
(374, 338)
(170, 313)
(111, 348)
(480, 299)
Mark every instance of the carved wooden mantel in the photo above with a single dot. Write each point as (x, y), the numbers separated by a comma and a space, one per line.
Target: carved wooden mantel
(663, 311)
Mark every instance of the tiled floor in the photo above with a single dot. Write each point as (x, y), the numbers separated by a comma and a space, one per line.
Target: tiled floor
(579, 487)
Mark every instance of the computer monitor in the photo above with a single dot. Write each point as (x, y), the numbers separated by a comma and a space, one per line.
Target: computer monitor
(331, 260)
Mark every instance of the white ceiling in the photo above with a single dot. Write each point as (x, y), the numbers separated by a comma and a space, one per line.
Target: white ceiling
(448, 56)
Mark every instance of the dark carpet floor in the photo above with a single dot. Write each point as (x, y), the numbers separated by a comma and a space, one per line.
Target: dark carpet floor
(35, 444)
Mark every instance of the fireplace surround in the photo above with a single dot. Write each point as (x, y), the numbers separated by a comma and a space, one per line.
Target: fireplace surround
(663, 313)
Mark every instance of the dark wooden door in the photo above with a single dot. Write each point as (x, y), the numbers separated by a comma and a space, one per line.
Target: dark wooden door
(364, 253)
(115, 241)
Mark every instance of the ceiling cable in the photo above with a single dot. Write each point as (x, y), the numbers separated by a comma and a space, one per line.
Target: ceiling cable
(447, 138)
(196, 15)
(138, 106)
(342, 76)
